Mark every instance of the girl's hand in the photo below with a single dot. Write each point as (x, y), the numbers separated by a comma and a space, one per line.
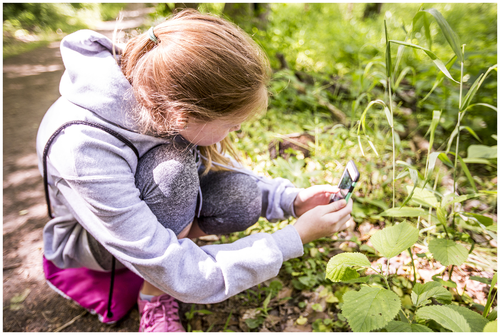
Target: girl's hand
(324, 220)
(313, 196)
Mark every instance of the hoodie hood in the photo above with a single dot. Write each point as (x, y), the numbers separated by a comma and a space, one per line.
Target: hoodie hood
(93, 79)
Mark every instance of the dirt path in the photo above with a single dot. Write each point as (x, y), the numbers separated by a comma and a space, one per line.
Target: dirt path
(30, 86)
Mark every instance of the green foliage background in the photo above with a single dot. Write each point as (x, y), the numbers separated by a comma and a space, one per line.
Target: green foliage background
(326, 57)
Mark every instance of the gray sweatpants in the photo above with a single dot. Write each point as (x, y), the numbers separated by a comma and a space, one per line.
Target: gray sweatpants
(170, 184)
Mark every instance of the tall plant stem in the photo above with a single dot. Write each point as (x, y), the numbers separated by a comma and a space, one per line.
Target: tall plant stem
(458, 132)
(413, 265)
(393, 145)
(451, 272)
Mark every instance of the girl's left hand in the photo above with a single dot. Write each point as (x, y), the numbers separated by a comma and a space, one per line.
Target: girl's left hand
(313, 196)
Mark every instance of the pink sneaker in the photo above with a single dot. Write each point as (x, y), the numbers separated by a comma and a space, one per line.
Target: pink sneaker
(160, 315)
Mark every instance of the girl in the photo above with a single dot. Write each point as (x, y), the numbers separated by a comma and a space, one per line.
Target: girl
(144, 167)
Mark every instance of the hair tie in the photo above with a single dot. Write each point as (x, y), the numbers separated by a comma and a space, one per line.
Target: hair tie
(152, 36)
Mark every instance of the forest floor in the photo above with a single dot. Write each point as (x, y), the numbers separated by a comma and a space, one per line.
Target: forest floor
(30, 86)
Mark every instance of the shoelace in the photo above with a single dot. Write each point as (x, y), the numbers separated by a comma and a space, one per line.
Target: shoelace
(165, 307)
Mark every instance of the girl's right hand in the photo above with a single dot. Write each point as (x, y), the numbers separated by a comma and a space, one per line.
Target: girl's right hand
(323, 221)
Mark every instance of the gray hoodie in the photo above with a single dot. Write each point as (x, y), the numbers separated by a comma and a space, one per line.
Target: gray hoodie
(92, 189)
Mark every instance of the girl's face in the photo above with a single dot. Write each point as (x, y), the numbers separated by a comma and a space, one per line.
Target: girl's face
(205, 133)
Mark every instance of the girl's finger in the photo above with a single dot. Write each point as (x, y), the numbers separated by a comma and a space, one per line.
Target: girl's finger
(341, 224)
(336, 205)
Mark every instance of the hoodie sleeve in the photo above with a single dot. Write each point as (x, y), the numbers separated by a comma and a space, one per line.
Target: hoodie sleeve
(95, 179)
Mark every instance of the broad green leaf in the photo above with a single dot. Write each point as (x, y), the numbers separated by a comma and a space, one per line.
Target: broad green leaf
(491, 327)
(448, 252)
(439, 63)
(449, 34)
(485, 220)
(339, 266)
(370, 308)
(403, 327)
(404, 212)
(482, 151)
(476, 321)
(445, 316)
(422, 196)
(391, 241)
(422, 292)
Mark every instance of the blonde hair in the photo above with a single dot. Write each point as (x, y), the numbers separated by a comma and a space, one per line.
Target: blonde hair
(203, 68)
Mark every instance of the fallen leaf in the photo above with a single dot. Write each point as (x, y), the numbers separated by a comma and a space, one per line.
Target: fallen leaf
(301, 321)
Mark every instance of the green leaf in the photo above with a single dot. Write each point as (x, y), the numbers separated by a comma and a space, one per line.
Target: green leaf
(468, 174)
(388, 65)
(481, 279)
(471, 131)
(453, 198)
(482, 151)
(445, 283)
(422, 292)
(339, 266)
(476, 321)
(449, 34)
(466, 171)
(484, 220)
(448, 252)
(439, 63)
(445, 316)
(404, 212)
(370, 308)
(474, 88)
(391, 241)
(436, 117)
(491, 327)
(423, 197)
(483, 104)
(403, 327)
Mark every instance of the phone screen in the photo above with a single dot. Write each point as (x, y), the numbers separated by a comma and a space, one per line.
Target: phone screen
(347, 182)
(345, 185)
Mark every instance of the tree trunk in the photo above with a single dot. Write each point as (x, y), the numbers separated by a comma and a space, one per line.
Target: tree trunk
(371, 10)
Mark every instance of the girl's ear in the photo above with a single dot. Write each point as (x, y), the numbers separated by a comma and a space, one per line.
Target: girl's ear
(181, 121)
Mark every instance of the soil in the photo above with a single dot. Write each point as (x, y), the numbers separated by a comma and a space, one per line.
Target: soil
(30, 86)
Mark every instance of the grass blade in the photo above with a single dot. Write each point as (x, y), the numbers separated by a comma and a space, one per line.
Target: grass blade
(439, 63)
(449, 34)
(474, 88)
(466, 171)
(482, 104)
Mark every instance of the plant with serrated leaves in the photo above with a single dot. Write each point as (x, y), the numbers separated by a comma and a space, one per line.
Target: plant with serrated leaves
(376, 307)
(448, 228)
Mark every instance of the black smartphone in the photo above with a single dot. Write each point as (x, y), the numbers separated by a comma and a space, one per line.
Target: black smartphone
(347, 182)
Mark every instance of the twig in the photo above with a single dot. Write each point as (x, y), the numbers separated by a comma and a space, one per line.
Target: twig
(70, 322)
(12, 266)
